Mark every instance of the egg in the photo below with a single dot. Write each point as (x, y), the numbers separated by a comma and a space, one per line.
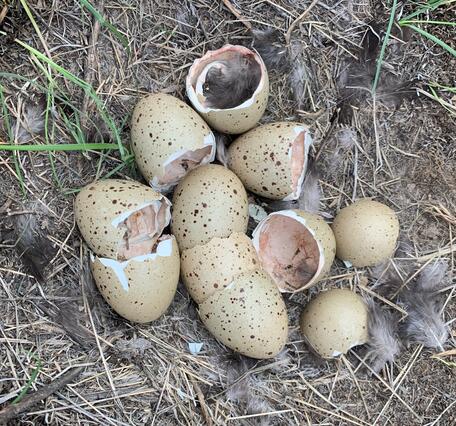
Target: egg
(209, 202)
(211, 267)
(169, 139)
(366, 233)
(335, 321)
(271, 160)
(142, 288)
(248, 316)
(295, 247)
(229, 87)
(120, 219)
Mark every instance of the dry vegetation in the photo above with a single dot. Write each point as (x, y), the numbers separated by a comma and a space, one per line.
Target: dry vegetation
(400, 148)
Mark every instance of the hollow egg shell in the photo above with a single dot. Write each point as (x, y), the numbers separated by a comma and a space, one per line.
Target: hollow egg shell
(209, 202)
(271, 160)
(366, 233)
(169, 139)
(120, 219)
(334, 322)
(295, 247)
(211, 267)
(233, 120)
(249, 316)
(142, 288)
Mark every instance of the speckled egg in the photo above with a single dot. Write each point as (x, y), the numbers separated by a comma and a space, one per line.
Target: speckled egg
(271, 160)
(249, 316)
(366, 233)
(142, 288)
(211, 267)
(209, 202)
(295, 247)
(335, 321)
(120, 219)
(169, 139)
(238, 118)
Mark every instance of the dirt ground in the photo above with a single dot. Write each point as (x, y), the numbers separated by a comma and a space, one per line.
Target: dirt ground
(400, 149)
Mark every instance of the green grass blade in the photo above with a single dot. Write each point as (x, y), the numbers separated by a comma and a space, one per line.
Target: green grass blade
(429, 6)
(60, 147)
(30, 381)
(413, 21)
(433, 38)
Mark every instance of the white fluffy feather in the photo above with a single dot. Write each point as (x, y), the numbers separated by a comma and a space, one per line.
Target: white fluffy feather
(221, 149)
(30, 124)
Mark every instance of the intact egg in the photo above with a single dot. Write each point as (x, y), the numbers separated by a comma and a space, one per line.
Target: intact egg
(295, 247)
(209, 202)
(169, 139)
(271, 160)
(142, 288)
(334, 322)
(211, 267)
(249, 316)
(366, 233)
(229, 87)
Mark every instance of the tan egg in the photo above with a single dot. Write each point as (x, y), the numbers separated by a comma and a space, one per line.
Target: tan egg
(120, 219)
(142, 288)
(366, 233)
(335, 321)
(169, 139)
(249, 316)
(295, 247)
(211, 267)
(209, 202)
(224, 106)
(271, 160)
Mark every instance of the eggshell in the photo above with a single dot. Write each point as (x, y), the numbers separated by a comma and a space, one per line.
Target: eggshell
(295, 247)
(169, 139)
(249, 316)
(335, 321)
(209, 202)
(142, 288)
(366, 233)
(102, 209)
(211, 267)
(231, 120)
(271, 160)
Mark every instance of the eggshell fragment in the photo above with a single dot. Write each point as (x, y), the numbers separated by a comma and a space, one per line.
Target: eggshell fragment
(366, 233)
(169, 139)
(209, 202)
(141, 288)
(335, 321)
(271, 160)
(249, 316)
(120, 219)
(234, 120)
(295, 247)
(212, 267)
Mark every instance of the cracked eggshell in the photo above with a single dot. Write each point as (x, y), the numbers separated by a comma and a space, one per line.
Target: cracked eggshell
(295, 247)
(141, 288)
(335, 321)
(271, 160)
(366, 233)
(211, 267)
(209, 202)
(249, 316)
(168, 139)
(231, 120)
(102, 207)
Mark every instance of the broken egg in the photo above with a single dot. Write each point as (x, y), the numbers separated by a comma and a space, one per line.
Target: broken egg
(249, 315)
(295, 247)
(229, 87)
(334, 322)
(141, 288)
(366, 233)
(211, 267)
(169, 139)
(271, 160)
(209, 202)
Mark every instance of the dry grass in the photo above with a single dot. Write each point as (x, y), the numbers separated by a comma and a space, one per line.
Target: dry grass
(404, 153)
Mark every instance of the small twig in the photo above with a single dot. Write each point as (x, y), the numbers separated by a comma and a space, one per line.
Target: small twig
(298, 20)
(237, 14)
(3, 13)
(202, 401)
